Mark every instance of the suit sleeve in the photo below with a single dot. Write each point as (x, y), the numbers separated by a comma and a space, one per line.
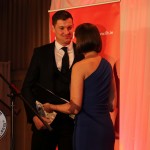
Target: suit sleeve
(31, 78)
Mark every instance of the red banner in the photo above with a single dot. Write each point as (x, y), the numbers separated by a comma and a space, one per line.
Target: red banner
(107, 19)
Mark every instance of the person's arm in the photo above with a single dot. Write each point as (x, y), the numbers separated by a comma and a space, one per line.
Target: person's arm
(116, 75)
(74, 106)
(30, 79)
(113, 101)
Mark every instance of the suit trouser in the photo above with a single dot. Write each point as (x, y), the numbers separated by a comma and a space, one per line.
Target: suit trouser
(46, 140)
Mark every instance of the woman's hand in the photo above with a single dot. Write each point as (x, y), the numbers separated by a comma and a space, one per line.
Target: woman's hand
(47, 107)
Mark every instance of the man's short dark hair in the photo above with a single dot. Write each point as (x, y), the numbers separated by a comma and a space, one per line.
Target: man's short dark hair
(61, 15)
(88, 38)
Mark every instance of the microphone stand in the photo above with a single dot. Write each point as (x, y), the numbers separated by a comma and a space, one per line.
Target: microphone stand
(13, 94)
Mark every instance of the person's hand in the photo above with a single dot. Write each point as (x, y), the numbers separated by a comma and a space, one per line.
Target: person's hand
(47, 120)
(47, 107)
(38, 123)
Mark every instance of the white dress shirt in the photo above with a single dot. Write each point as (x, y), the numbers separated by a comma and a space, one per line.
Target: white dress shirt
(59, 53)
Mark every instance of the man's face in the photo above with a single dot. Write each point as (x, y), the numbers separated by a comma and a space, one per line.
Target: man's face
(63, 31)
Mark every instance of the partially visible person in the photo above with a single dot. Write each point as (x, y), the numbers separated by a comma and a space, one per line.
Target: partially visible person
(46, 68)
(117, 81)
(91, 94)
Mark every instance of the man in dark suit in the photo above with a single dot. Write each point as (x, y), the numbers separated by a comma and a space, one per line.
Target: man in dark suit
(46, 68)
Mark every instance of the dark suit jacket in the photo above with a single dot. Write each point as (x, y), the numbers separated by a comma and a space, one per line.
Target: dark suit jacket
(43, 70)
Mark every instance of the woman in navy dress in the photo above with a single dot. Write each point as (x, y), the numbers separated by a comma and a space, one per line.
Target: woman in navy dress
(91, 94)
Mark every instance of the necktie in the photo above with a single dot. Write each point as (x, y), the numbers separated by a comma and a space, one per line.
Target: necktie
(65, 61)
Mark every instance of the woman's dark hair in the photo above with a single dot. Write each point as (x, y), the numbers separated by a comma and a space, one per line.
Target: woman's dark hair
(61, 15)
(87, 38)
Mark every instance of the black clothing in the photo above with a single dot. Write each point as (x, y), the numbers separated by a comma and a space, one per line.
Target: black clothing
(43, 70)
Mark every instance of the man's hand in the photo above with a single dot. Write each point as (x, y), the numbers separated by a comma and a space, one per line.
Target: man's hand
(38, 123)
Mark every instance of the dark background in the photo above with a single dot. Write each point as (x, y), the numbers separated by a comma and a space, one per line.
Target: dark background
(24, 25)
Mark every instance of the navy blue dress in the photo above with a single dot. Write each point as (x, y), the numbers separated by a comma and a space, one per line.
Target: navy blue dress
(93, 126)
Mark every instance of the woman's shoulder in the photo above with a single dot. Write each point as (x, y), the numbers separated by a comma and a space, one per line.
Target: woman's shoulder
(78, 65)
(87, 64)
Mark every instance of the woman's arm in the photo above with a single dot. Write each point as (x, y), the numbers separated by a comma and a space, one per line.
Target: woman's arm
(74, 106)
